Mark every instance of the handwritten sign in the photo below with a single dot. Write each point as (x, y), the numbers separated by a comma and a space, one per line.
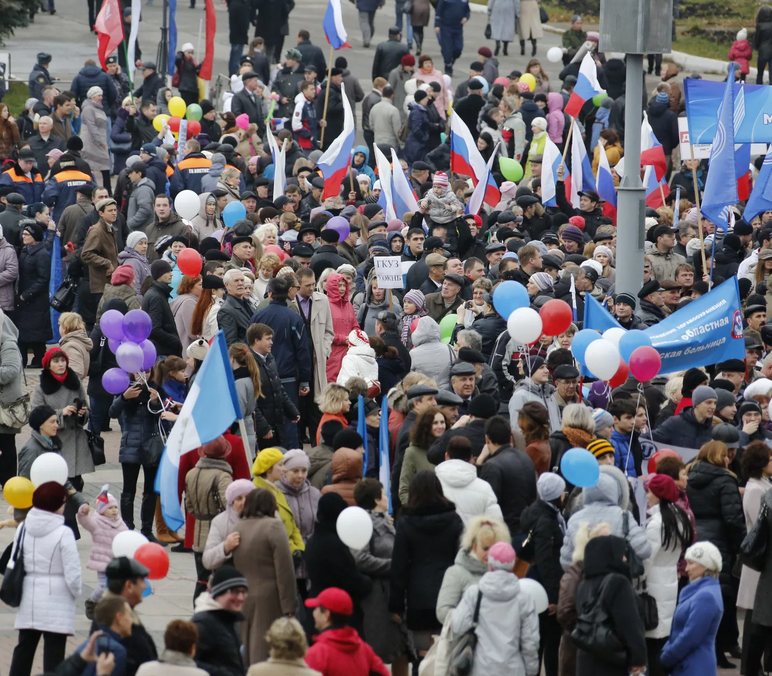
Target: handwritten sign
(388, 270)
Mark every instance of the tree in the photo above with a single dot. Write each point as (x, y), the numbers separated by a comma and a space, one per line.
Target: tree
(15, 14)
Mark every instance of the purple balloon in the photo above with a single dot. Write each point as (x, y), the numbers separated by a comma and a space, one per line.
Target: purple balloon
(113, 344)
(137, 326)
(115, 381)
(111, 324)
(130, 357)
(148, 349)
(339, 225)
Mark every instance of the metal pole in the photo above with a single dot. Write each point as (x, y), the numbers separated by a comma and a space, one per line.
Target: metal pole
(163, 47)
(632, 194)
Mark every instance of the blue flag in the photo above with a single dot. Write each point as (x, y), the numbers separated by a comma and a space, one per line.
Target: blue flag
(362, 429)
(721, 184)
(384, 469)
(54, 283)
(598, 317)
(761, 196)
(172, 35)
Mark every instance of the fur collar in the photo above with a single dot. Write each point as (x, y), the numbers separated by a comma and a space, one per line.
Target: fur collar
(51, 385)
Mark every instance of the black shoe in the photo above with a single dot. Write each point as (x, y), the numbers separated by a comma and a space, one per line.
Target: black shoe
(724, 663)
(533, 50)
(506, 46)
(152, 538)
(735, 652)
(180, 548)
(522, 47)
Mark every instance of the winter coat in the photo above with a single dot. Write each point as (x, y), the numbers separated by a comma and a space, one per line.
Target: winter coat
(303, 502)
(274, 667)
(417, 143)
(471, 495)
(9, 139)
(388, 54)
(602, 504)
(103, 531)
(566, 615)
(755, 490)
(321, 460)
(285, 514)
(684, 430)
(33, 318)
(203, 225)
(429, 355)
(664, 124)
(512, 476)
(10, 367)
(385, 122)
(139, 264)
(465, 572)
(141, 441)
(627, 453)
(515, 650)
(344, 322)
(52, 581)
(342, 651)
(128, 294)
(291, 348)
(100, 254)
(661, 574)
(171, 663)
(164, 334)
(274, 404)
(663, 265)
(358, 362)
(346, 469)
(140, 214)
(413, 462)
(9, 273)
(424, 548)
(555, 118)
(93, 132)
(502, 16)
(219, 646)
(529, 23)
(77, 346)
(71, 433)
(714, 497)
(172, 226)
(527, 390)
(182, 311)
(690, 650)
(234, 318)
(741, 52)
(542, 522)
(205, 488)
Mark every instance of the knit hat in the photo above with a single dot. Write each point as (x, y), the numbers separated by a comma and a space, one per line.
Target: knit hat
(601, 249)
(224, 579)
(51, 353)
(550, 486)
(94, 91)
(663, 487)
(723, 398)
(266, 459)
(573, 234)
(105, 500)
(159, 268)
(441, 179)
(135, 238)
(742, 34)
(408, 60)
(218, 448)
(706, 554)
(662, 97)
(34, 229)
(703, 393)
(530, 366)
(49, 496)
(508, 188)
(578, 221)
(599, 447)
(296, 458)
(540, 123)
(236, 489)
(483, 406)
(603, 419)
(358, 338)
(329, 507)
(543, 280)
(417, 298)
(692, 379)
(371, 209)
(198, 349)
(347, 438)
(123, 274)
(501, 556)
(760, 386)
(39, 415)
(748, 407)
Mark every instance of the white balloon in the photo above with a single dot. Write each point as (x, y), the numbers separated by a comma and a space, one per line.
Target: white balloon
(355, 528)
(48, 467)
(602, 359)
(187, 204)
(533, 589)
(524, 325)
(127, 543)
(614, 335)
(554, 54)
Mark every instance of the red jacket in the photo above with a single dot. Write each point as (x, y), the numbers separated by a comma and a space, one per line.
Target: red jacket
(340, 652)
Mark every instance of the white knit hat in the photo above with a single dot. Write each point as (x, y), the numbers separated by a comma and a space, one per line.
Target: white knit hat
(358, 338)
(135, 238)
(742, 34)
(94, 91)
(706, 554)
(550, 486)
(540, 122)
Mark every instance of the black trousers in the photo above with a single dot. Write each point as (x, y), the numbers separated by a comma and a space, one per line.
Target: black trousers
(71, 509)
(24, 653)
(189, 96)
(728, 631)
(8, 457)
(147, 510)
(38, 350)
(761, 66)
(92, 13)
(202, 575)
(653, 651)
(550, 633)
(310, 417)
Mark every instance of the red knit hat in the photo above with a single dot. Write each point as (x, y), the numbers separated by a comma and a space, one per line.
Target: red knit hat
(54, 352)
(578, 221)
(663, 487)
(123, 274)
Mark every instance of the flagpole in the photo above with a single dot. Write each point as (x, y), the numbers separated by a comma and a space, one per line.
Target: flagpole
(326, 94)
(568, 143)
(662, 193)
(697, 202)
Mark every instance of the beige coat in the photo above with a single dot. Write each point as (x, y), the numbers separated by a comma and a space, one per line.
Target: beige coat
(171, 663)
(77, 346)
(265, 560)
(749, 579)
(322, 333)
(100, 254)
(182, 309)
(208, 475)
(281, 668)
(530, 20)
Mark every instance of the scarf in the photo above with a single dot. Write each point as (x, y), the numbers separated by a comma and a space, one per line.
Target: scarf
(407, 321)
(578, 438)
(60, 378)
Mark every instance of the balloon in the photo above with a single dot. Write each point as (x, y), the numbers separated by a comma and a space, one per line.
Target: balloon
(533, 589)
(602, 359)
(113, 344)
(177, 106)
(657, 456)
(174, 124)
(111, 324)
(630, 341)
(645, 363)
(130, 357)
(554, 54)
(235, 211)
(447, 326)
(508, 297)
(48, 467)
(18, 492)
(194, 112)
(187, 204)
(414, 325)
(443, 137)
(189, 262)
(355, 528)
(524, 325)
(147, 591)
(339, 225)
(581, 342)
(194, 128)
(137, 326)
(598, 98)
(502, 81)
(127, 542)
(154, 557)
(484, 83)
(242, 121)
(150, 353)
(511, 169)
(115, 381)
(580, 467)
(620, 377)
(159, 121)
(614, 335)
(529, 79)
(274, 249)
(556, 316)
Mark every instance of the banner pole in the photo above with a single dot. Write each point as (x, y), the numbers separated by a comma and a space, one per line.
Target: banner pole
(326, 94)
(568, 144)
(697, 202)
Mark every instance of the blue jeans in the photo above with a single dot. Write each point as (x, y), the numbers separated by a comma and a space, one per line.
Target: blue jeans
(234, 62)
(399, 5)
(290, 432)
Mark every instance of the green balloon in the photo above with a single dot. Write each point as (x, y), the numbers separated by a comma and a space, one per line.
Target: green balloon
(510, 169)
(447, 326)
(443, 137)
(194, 112)
(598, 98)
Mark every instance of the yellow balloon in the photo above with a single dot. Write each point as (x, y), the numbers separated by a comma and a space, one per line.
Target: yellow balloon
(159, 121)
(18, 492)
(177, 106)
(529, 79)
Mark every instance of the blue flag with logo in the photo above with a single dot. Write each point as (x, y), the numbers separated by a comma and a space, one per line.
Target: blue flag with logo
(761, 196)
(598, 317)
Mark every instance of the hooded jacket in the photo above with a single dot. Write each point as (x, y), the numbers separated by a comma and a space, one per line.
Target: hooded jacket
(527, 390)
(204, 225)
(664, 124)
(363, 168)
(140, 213)
(103, 531)
(346, 473)
(344, 322)
(466, 571)
(77, 345)
(684, 430)
(471, 495)
(139, 264)
(218, 650)
(429, 355)
(359, 362)
(555, 117)
(342, 651)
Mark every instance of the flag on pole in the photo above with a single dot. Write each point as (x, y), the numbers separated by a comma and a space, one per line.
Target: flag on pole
(551, 160)
(336, 160)
(384, 469)
(652, 185)
(581, 177)
(209, 410)
(652, 152)
(677, 206)
(172, 32)
(466, 159)
(742, 151)
(211, 28)
(386, 198)
(476, 200)
(54, 281)
(109, 28)
(761, 197)
(362, 430)
(573, 297)
(279, 163)
(721, 193)
(585, 88)
(402, 192)
(605, 185)
(334, 30)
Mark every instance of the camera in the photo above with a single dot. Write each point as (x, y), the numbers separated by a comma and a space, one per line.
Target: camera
(103, 645)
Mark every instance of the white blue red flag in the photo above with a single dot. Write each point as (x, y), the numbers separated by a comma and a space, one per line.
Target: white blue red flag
(334, 30)
(551, 160)
(279, 164)
(386, 198)
(466, 159)
(476, 200)
(652, 152)
(585, 88)
(581, 177)
(336, 160)
(402, 193)
(604, 182)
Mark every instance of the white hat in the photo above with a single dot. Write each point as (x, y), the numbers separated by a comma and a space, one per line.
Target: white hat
(198, 349)
(187, 47)
(594, 265)
(94, 91)
(706, 554)
(550, 486)
(539, 122)
(135, 238)
(759, 387)
(742, 34)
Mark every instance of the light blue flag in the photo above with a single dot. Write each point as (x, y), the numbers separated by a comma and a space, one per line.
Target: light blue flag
(761, 196)
(384, 468)
(362, 429)
(53, 284)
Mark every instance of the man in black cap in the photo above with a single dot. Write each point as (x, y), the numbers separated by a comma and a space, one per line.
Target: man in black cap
(535, 221)
(624, 311)
(387, 327)
(263, 198)
(480, 409)
(313, 199)
(463, 377)
(419, 174)
(332, 126)
(448, 402)
(755, 312)
(388, 55)
(447, 299)
(156, 303)
(475, 69)
(23, 177)
(589, 207)
(493, 255)
(664, 260)
(302, 253)
(151, 81)
(309, 234)
(327, 256)
(250, 101)
(156, 167)
(468, 108)
(732, 370)
(39, 77)
(566, 379)
(651, 297)
(485, 378)
(535, 387)
(435, 264)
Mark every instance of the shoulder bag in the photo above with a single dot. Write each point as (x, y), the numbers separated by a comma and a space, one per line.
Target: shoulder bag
(13, 579)
(753, 550)
(16, 414)
(97, 447)
(648, 608)
(63, 299)
(462, 655)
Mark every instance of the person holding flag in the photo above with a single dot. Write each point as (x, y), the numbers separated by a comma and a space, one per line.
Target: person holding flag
(334, 163)
(330, 110)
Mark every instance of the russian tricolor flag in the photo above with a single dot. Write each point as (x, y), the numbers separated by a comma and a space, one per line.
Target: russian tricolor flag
(581, 177)
(476, 200)
(402, 193)
(279, 163)
(652, 152)
(551, 160)
(386, 198)
(605, 185)
(335, 161)
(334, 30)
(653, 193)
(585, 88)
(466, 159)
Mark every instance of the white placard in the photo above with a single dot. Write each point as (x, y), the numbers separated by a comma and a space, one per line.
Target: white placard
(388, 270)
(702, 150)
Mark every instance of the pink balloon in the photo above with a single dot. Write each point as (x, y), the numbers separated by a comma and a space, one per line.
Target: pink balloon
(242, 121)
(501, 80)
(645, 363)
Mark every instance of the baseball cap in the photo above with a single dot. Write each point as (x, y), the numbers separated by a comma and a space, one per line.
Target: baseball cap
(334, 599)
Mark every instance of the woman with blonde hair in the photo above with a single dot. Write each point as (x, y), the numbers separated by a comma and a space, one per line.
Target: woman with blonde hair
(75, 342)
(605, 256)
(267, 234)
(321, 284)
(334, 404)
(287, 647)
(673, 388)
(247, 375)
(268, 263)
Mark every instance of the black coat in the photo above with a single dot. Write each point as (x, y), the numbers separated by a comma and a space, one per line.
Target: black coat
(243, 103)
(164, 334)
(392, 339)
(474, 430)
(512, 476)
(468, 109)
(218, 651)
(334, 113)
(274, 403)
(388, 56)
(312, 55)
(664, 124)
(425, 546)
(141, 441)
(541, 520)
(234, 318)
(490, 327)
(239, 18)
(140, 648)
(273, 18)
(684, 430)
(326, 256)
(714, 497)
(727, 262)
(33, 318)
(150, 86)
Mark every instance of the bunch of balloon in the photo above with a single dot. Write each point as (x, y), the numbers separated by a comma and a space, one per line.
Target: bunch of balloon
(180, 111)
(134, 545)
(127, 337)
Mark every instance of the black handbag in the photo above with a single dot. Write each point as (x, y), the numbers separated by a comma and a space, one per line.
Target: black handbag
(63, 299)
(594, 632)
(648, 608)
(97, 447)
(543, 16)
(462, 653)
(488, 31)
(753, 550)
(13, 579)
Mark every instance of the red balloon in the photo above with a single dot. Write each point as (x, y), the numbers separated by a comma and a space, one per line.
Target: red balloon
(174, 123)
(645, 363)
(620, 377)
(272, 248)
(189, 262)
(656, 457)
(414, 325)
(556, 316)
(194, 128)
(154, 557)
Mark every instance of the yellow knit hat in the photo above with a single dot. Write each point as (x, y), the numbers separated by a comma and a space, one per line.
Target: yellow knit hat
(266, 459)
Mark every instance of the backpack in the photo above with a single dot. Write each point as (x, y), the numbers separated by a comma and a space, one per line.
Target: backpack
(594, 632)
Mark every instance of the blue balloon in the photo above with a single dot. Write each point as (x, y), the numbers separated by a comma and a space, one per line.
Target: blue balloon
(233, 212)
(147, 590)
(580, 467)
(510, 296)
(632, 340)
(582, 341)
